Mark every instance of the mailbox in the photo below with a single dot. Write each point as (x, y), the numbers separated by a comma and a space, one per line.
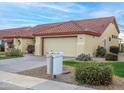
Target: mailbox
(54, 63)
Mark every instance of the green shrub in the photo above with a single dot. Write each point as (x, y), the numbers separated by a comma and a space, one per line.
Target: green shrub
(84, 57)
(100, 51)
(30, 49)
(114, 49)
(122, 48)
(2, 48)
(94, 73)
(111, 57)
(14, 53)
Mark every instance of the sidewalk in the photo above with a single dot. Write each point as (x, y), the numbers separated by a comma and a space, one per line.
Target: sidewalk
(17, 81)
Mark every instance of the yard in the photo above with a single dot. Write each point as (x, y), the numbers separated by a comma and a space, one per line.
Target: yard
(13, 54)
(3, 56)
(69, 65)
(118, 66)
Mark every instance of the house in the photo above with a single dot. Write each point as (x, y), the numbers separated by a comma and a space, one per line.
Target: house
(18, 38)
(72, 37)
(76, 37)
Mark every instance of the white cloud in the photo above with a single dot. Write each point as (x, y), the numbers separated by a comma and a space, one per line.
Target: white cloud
(121, 35)
(101, 14)
(56, 7)
(35, 13)
(63, 7)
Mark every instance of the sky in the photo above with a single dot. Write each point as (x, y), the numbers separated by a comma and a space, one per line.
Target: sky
(30, 14)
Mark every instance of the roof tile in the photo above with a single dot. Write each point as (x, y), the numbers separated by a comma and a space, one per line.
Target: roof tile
(90, 26)
(17, 32)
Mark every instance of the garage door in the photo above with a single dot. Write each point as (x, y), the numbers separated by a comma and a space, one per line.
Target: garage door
(64, 44)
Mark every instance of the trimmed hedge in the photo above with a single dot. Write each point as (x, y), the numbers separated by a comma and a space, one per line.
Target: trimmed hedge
(84, 57)
(94, 73)
(111, 57)
(2, 48)
(100, 51)
(14, 53)
(114, 49)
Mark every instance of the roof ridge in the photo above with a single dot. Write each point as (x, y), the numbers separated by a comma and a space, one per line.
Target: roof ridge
(76, 20)
(95, 18)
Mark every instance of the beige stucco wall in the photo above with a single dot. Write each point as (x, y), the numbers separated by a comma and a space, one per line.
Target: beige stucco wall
(6, 46)
(110, 30)
(80, 44)
(38, 46)
(87, 44)
(24, 43)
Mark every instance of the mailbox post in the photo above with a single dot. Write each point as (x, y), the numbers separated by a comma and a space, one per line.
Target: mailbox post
(55, 63)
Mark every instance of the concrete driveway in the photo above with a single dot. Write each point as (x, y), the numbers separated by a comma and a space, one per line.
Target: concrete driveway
(21, 63)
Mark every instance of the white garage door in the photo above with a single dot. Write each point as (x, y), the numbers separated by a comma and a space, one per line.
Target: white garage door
(64, 44)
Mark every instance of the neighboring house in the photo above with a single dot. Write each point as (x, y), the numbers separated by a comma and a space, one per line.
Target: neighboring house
(72, 37)
(76, 37)
(18, 38)
(121, 36)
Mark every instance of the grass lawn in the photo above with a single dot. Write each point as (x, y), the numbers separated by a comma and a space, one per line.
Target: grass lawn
(117, 66)
(3, 56)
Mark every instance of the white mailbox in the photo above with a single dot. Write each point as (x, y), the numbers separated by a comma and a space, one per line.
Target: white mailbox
(55, 63)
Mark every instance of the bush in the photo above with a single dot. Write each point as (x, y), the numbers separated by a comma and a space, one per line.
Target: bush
(100, 51)
(14, 53)
(30, 48)
(2, 48)
(122, 48)
(114, 49)
(84, 57)
(94, 73)
(111, 57)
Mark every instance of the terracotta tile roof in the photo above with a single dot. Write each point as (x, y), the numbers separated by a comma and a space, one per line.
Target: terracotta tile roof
(40, 28)
(24, 32)
(90, 26)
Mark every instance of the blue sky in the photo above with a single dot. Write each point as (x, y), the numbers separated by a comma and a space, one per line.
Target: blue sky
(31, 14)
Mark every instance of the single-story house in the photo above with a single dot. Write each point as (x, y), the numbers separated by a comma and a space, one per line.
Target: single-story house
(18, 38)
(76, 37)
(72, 37)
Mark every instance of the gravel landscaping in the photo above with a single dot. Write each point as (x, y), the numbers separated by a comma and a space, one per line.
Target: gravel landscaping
(40, 72)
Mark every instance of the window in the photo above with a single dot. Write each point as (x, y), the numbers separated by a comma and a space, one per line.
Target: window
(114, 36)
(19, 42)
(109, 38)
(104, 43)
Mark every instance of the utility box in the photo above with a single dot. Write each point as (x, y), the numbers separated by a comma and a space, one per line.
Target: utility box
(54, 63)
